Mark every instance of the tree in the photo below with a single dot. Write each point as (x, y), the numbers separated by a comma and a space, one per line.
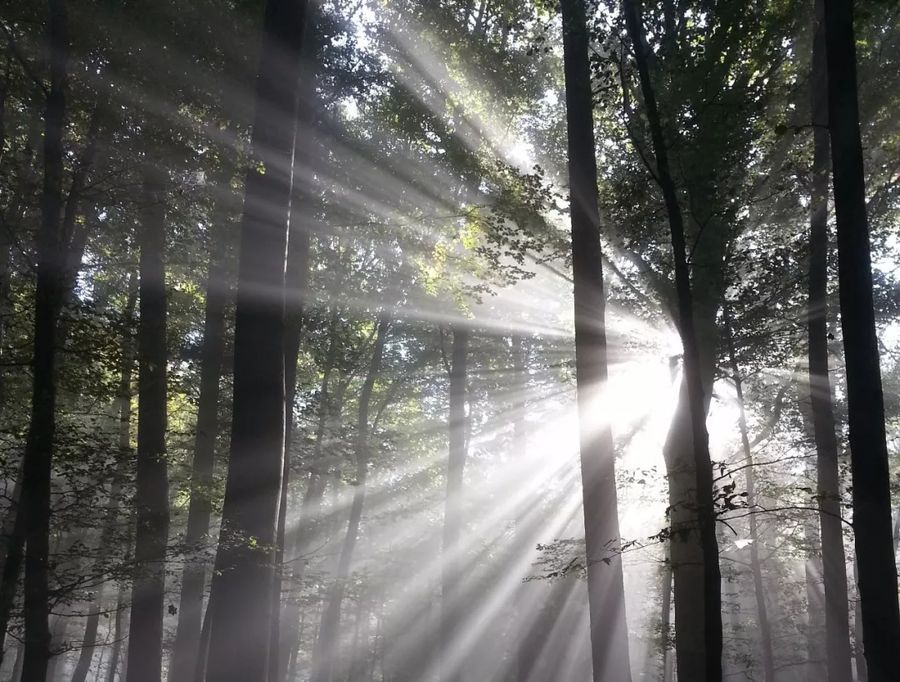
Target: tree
(329, 628)
(606, 592)
(240, 597)
(145, 630)
(187, 636)
(37, 469)
(865, 400)
(834, 563)
(706, 513)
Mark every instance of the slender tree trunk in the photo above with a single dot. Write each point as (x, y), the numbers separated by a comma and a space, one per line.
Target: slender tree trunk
(606, 592)
(145, 632)
(451, 608)
(193, 580)
(310, 508)
(117, 638)
(37, 469)
(834, 563)
(296, 278)
(706, 514)
(241, 593)
(330, 626)
(88, 644)
(762, 611)
(865, 401)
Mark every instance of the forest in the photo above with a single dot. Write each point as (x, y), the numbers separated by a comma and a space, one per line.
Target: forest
(449, 340)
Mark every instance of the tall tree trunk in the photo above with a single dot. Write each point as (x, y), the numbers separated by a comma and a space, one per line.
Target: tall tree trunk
(145, 632)
(329, 628)
(37, 469)
(451, 608)
(13, 551)
(240, 596)
(706, 513)
(865, 401)
(296, 278)
(762, 611)
(71, 241)
(193, 579)
(606, 592)
(834, 563)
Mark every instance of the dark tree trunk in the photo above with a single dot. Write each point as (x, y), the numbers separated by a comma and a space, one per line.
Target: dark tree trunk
(865, 401)
(37, 470)
(145, 632)
(329, 629)
(451, 607)
(706, 514)
(834, 563)
(606, 592)
(193, 580)
(241, 597)
(759, 591)
(13, 551)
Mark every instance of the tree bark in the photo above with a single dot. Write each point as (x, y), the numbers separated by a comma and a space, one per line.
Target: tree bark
(193, 580)
(145, 632)
(330, 625)
(706, 514)
(37, 470)
(828, 495)
(451, 607)
(865, 400)
(241, 596)
(606, 592)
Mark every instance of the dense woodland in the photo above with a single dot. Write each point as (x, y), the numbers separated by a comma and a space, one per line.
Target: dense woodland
(449, 340)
